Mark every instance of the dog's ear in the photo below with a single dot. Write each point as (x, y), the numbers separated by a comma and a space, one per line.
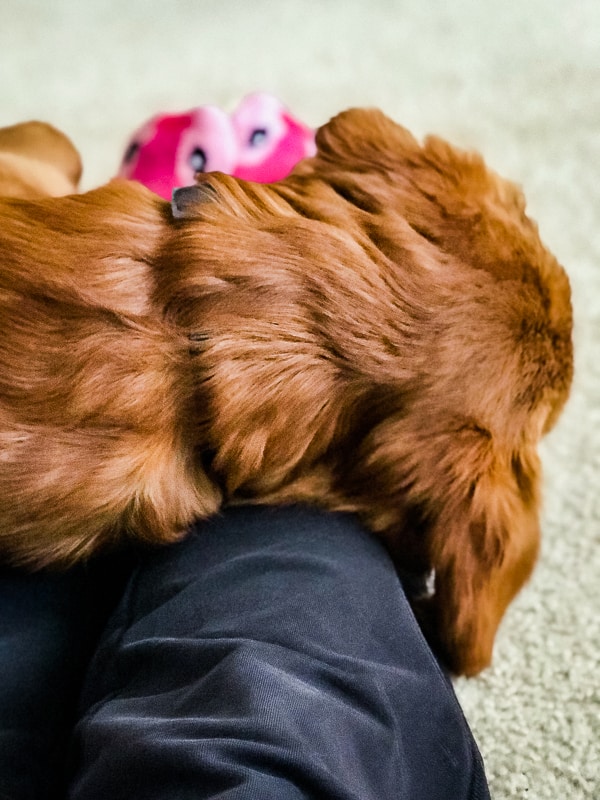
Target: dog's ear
(466, 507)
(433, 176)
(484, 545)
(366, 139)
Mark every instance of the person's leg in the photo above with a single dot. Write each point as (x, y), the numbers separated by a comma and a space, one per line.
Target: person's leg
(48, 626)
(271, 655)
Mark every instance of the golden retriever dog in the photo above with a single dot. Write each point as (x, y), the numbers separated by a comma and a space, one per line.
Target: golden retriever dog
(37, 160)
(383, 333)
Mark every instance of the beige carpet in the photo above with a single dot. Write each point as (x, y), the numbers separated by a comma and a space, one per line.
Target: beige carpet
(519, 80)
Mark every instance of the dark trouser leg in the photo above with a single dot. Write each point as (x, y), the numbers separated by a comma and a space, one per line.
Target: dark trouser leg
(270, 655)
(49, 624)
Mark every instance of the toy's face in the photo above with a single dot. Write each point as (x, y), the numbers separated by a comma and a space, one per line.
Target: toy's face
(270, 141)
(169, 150)
(259, 142)
(208, 145)
(150, 154)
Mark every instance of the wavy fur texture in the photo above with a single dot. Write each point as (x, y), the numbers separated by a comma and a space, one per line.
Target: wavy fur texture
(383, 332)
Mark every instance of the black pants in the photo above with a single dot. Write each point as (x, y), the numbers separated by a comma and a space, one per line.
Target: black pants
(271, 655)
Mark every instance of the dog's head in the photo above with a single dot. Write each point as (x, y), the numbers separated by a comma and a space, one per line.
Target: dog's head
(500, 374)
(449, 325)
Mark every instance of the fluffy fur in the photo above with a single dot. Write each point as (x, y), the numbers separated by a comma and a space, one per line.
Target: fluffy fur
(382, 332)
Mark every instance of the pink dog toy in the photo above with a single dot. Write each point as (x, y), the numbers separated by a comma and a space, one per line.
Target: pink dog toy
(260, 141)
(169, 149)
(270, 141)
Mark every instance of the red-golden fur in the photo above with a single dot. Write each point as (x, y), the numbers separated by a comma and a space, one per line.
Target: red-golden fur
(383, 332)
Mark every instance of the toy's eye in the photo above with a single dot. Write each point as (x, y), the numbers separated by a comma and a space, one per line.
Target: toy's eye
(197, 160)
(257, 137)
(131, 152)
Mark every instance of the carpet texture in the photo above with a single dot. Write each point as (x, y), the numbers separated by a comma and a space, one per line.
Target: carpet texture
(519, 81)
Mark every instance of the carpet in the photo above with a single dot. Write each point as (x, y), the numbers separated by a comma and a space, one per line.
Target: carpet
(519, 81)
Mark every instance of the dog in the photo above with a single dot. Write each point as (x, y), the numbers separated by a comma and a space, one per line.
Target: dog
(382, 332)
(37, 160)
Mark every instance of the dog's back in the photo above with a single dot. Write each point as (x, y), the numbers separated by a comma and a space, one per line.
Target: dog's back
(91, 386)
(382, 332)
